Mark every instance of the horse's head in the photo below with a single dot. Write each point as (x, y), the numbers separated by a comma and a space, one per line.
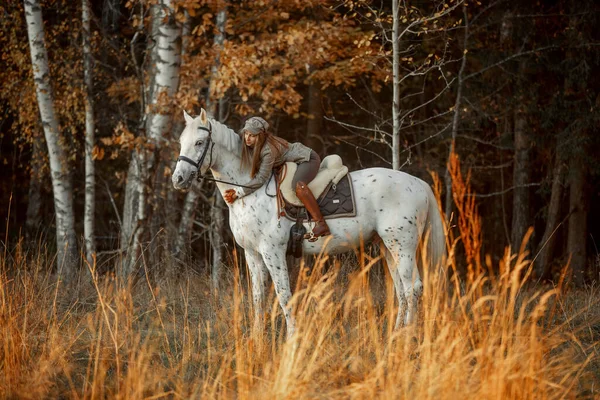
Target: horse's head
(194, 157)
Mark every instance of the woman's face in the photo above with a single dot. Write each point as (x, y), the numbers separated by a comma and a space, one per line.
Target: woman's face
(250, 139)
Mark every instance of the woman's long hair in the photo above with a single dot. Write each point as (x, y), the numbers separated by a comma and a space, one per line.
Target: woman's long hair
(251, 156)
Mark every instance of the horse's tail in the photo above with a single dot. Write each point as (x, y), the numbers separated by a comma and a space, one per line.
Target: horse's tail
(436, 239)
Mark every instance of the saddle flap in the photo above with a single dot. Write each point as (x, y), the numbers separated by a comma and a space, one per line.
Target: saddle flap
(331, 171)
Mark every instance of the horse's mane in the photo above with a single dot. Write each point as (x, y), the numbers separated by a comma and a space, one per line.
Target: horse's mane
(226, 137)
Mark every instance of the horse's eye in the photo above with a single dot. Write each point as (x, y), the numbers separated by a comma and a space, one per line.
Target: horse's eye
(199, 143)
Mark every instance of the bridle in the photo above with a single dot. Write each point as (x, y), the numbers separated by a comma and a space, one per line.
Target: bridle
(198, 164)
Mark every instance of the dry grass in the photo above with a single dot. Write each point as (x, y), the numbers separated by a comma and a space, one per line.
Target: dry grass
(171, 338)
(491, 335)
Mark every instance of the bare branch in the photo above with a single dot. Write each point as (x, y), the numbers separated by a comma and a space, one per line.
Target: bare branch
(478, 140)
(357, 147)
(427, 138)
(347, 125)
(502, 191)
(511, 57)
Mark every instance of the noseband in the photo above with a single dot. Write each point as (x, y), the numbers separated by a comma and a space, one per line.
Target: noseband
(198, 163)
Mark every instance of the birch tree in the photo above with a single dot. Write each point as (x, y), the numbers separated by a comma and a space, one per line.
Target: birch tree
(164, 47)
(216, 214)
(417, 58)
(90, 182)
(66, 242)
(216, 108)
(188, 211)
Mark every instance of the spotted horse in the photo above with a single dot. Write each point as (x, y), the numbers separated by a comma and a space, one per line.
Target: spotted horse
(395, 207)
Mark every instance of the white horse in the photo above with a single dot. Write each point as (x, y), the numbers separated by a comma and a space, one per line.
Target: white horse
(391, 205)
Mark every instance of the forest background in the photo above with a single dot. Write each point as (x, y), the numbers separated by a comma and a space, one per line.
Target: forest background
(113, 285)
(510, 87)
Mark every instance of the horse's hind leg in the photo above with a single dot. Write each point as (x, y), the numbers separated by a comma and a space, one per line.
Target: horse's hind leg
(402, 264)
(277, 266)
(399, 288)
(258, 276)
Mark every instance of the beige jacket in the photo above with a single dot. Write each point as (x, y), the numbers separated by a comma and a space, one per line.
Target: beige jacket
(296, 152)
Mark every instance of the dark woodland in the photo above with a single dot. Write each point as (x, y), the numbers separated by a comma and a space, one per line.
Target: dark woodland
(526, 128)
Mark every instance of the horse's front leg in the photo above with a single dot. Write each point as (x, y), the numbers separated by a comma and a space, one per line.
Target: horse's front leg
(276, 263)
(258, 276)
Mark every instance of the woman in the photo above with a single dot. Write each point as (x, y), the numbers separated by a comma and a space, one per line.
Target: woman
(262, 151)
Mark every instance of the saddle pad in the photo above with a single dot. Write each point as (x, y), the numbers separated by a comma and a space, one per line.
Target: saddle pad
(337, 201)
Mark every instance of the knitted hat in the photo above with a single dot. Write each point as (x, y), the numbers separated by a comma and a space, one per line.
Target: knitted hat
(255, 125)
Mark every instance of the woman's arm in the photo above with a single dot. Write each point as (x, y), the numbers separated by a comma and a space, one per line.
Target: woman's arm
(264, 173)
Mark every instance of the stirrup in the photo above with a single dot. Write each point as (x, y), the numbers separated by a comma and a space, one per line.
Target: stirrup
(310, 236)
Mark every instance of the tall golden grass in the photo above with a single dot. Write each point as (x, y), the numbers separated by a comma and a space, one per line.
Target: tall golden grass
(493, 335)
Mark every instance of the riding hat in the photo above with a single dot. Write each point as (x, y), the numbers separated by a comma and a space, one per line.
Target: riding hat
(255, 125)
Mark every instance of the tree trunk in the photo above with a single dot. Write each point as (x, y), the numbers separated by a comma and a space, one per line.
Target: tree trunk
(542, 266)
(130, 202)
(90, 182)
(314, 140)
(66, 240)
(396, 86)
(110, 15)
(216, 238)
(521, 178)
(456, 116)
(577, 238)
(188, 213)
(216, 212)
(34, 202)
(164, 78)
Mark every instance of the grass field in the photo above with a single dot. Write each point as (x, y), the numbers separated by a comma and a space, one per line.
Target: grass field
(490, 336)
(493, 333)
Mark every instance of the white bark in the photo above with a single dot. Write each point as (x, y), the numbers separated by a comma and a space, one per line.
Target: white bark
(218, 207)
(188, 213)
(216, 238)
(396, 86)
(167, 62)
(166, 57)
(61, 185)
(184, 229)
(90, 182)
(191, 199)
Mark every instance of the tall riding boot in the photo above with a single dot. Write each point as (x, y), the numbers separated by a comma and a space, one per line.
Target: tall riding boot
(309, 201)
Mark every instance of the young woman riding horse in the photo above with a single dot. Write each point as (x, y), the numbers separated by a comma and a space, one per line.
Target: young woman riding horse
(262, 152)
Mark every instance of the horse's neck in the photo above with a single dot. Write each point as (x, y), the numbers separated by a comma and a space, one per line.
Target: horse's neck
(226, 137)
(227, 153)
(226, 166)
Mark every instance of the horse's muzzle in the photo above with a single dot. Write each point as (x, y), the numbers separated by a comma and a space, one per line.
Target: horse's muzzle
(180, 183)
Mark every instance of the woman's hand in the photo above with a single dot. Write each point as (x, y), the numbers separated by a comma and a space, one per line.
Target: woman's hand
(230, 196)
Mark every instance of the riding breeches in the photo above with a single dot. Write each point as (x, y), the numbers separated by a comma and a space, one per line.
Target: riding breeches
(307, 171)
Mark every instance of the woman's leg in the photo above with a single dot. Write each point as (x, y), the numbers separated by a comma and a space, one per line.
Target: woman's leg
(305, 173)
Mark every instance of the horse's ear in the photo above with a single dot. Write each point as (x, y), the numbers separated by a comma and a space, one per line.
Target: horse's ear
(203, 117)
(187, 117)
